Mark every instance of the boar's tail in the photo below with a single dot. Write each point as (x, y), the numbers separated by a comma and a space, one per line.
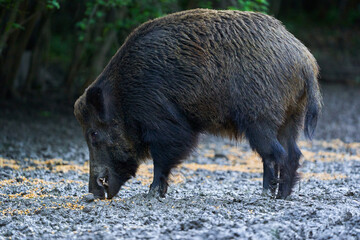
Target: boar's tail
(314, 102)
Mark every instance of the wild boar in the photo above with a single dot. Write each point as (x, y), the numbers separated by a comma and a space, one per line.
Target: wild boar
(229, 73)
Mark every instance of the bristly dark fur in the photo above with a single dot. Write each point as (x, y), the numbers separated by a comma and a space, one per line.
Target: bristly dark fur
(228, 73)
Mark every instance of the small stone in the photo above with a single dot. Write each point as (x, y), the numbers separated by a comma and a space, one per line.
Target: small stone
(347, 216)
(349, 194)
(8, 233)
(88, 198)
(3, 223)
(338, 222)
(45, 212)
(19, 179)
(86, 209)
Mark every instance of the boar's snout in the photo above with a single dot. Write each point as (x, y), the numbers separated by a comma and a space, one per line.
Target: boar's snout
(105, 185)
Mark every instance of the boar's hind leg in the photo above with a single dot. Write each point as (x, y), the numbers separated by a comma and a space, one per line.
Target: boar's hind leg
(287, 135)
(168, 147)
(263, 139)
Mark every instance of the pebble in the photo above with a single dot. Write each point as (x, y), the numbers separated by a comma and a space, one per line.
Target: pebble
(87, 209)
(88, 198)
(3, 222)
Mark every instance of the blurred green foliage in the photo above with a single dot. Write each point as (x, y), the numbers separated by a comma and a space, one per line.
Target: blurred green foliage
(53, 4)
(79, 37)
(248, 5)
(75, 39)
(136, 12)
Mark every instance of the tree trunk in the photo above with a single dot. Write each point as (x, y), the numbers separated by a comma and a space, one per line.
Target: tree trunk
(98, 60)
(16, 49)
(76, 60)
(41, 41)
(5, 35)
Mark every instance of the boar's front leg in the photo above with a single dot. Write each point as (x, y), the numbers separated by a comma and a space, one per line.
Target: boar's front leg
(169, 145)
(163, 163)
(269, 176)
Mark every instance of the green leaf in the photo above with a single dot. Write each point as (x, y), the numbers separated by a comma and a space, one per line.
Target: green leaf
(51, 4)
(56, 4)
(99, 14)
(18, 26)
(81, 25)
(81, 37)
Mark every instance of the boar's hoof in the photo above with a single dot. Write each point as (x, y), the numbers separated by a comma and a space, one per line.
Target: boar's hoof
(280, 196)
(283, 193)
(268, 193)
(158, 187)
(157, 191)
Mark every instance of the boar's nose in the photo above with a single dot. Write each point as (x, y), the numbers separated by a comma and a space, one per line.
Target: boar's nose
(95, 189)
(107, 185)
(102, 182)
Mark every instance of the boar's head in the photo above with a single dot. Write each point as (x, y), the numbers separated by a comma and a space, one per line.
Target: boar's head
(112, 158)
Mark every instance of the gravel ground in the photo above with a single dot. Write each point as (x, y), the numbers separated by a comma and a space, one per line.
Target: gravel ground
(215, 194)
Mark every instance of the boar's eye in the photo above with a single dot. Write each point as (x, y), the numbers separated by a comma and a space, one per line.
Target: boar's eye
(93, 135)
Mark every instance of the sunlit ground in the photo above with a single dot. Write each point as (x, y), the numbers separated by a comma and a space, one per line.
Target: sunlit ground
(237, 160)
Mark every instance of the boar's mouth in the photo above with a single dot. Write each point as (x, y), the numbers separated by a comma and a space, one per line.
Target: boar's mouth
(110, 182)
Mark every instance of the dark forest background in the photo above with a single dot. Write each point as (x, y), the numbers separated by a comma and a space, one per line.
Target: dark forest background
(58, 47)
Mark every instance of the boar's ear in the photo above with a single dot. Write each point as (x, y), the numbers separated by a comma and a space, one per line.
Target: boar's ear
(95, 98)
(102, 101)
